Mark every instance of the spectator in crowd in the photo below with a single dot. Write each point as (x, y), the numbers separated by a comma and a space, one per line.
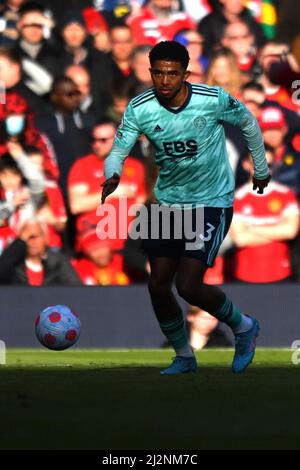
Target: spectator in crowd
(286, 165)
(265, 13)
(140, 66)
(87, 175)
(239, 39)
(285, 72)
(225, 12)
(57, 8)
(16, 127)
(88, 106)
(78, 50)
(101, 42)
(9, 16)
(158, 21)
(94, 20)
(39, 60)
(51, 211)
(12, 83)
(201, 325)
(22, 188)
(194, 42)
(122, 93)
(262, 226)
(224, 72)
(16, 117)
(288, 27)
(254, 96)
(270, 53)
(99, 265)
(29, 261)
(197, 73)
(120, 57)
(65, 127)
(101, 13)
(197, 9)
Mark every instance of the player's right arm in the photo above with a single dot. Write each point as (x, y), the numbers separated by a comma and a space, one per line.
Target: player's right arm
(127, 134)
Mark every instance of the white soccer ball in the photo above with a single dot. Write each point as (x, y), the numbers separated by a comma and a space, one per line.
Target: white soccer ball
(57, 327)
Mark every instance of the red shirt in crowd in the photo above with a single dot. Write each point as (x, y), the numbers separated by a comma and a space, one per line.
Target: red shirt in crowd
(35, 274)
(148, 29)
(92, 275)
(269, 262)
(58, 209)
(283, 98)
(89, 171)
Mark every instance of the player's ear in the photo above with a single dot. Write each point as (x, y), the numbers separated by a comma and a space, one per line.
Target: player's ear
(187, 74)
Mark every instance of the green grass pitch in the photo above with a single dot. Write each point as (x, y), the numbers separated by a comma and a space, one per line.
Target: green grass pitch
(107, 399)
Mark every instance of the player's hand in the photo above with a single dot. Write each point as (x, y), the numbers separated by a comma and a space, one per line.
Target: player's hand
(260, 184)
(109, 186)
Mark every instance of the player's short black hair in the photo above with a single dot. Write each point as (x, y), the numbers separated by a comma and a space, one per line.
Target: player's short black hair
(170, 50)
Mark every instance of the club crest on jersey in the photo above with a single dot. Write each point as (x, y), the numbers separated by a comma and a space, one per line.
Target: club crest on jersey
(200, 122)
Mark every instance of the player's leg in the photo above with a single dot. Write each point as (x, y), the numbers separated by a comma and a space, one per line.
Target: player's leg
(190, 286)
(189, 282)
(169, 313)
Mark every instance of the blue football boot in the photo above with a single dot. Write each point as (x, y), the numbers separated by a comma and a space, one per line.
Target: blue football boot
(181, 365)
(245, 344)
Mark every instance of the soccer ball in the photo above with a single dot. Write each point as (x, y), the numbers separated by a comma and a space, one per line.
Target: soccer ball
(57, 327)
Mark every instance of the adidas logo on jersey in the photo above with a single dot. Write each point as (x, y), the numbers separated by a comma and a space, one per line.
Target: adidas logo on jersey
(157, 128)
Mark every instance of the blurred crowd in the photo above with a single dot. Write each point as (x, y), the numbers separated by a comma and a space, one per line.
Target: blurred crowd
(67, 73)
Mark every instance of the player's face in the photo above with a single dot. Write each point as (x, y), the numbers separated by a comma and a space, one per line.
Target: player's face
(168, 78)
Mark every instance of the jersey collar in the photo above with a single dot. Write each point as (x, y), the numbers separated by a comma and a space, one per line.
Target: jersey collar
(182, 107)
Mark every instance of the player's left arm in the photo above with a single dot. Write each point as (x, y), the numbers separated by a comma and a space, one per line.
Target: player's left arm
(234, 112)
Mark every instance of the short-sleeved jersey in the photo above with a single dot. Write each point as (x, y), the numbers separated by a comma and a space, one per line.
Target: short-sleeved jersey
(190, 144)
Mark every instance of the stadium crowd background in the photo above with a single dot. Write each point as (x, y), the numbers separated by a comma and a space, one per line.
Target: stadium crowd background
(67, 72)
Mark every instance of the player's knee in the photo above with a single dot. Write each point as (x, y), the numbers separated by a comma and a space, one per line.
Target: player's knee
(184, 289)
(156, 287)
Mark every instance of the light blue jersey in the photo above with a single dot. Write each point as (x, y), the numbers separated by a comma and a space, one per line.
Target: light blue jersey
(190, 144)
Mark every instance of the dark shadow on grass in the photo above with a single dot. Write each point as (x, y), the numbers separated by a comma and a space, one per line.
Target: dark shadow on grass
(137, 408)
